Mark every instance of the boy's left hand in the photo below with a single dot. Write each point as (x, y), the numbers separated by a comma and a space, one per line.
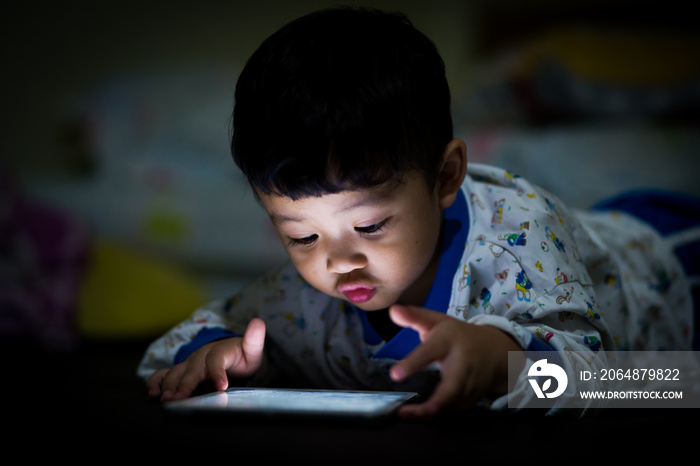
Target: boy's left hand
(473, 359)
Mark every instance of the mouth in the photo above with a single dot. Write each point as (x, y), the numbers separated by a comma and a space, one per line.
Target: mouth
(357, 293)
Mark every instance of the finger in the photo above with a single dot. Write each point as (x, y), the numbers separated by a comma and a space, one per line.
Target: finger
(431, 350)
(422, 410)
(419, 319)
(216, 365)
(254, 342)
(171, 382)
(450, 392)
(193, 374)
(243, 360)
(445, 396)
(154, 383)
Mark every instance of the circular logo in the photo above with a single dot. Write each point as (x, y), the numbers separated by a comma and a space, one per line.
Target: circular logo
(547, 371)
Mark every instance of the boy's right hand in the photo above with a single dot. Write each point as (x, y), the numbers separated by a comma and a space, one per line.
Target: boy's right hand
(235, 357)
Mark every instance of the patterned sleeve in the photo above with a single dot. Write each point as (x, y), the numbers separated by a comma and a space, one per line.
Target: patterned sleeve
(522, 272)
(217, 319)
(163, 352)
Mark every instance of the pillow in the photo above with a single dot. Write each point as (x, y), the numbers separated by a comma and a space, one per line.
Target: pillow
(130, 295)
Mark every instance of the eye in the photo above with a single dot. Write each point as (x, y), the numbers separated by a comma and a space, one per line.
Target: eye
(372, 229)
(306, 241)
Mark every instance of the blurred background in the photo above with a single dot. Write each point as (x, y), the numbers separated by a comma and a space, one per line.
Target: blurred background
(121, 209)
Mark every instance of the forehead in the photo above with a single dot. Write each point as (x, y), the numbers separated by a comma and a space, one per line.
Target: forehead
(283, 209)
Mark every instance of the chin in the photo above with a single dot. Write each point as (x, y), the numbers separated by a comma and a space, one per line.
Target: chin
(372, 305)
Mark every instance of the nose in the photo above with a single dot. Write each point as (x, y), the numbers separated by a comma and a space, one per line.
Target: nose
(342, 257)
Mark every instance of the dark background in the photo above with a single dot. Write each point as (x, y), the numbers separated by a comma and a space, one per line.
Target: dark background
(138, 261)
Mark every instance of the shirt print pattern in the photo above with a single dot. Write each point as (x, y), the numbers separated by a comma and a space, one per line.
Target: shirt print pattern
(583, 283)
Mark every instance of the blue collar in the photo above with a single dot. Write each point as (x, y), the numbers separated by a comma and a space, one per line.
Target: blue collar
(455, 228)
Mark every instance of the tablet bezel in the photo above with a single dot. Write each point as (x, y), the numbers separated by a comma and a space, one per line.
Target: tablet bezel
(198, 405)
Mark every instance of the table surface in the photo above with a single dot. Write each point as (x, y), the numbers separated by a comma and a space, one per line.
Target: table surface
(91, 401)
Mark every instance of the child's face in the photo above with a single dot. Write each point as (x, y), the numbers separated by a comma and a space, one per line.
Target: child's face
(373, 247)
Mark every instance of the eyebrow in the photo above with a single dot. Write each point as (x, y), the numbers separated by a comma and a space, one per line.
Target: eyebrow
(377, 198)
(278, 219)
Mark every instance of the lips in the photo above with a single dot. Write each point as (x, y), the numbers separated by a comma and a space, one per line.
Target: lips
(357, 292)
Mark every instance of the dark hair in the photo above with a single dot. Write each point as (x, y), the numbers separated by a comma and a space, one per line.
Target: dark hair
(341, 99)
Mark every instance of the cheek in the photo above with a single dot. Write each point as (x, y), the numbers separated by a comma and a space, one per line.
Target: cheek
(426, 236)
(408, 259)
(422, 247)
(311, 268)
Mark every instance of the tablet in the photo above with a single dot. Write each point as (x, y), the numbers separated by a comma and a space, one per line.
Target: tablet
(297, 402)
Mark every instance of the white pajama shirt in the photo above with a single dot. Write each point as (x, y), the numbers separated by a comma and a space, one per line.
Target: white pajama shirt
(582, 283)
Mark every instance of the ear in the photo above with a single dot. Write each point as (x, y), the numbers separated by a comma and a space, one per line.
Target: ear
(452, 172)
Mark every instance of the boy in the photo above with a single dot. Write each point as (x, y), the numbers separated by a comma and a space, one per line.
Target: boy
(407, 271)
